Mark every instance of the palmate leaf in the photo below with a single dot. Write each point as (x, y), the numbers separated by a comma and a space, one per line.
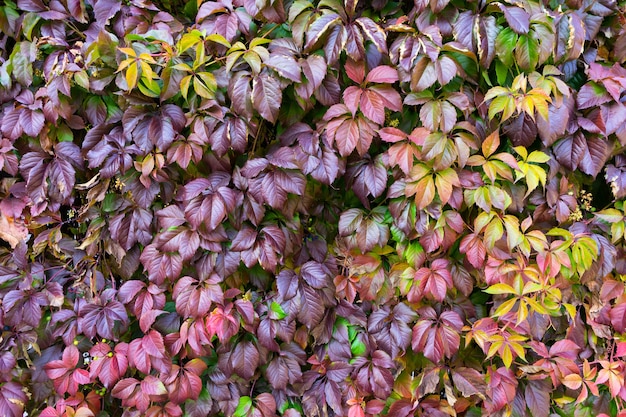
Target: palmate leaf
(108, 365)
(437, 335)
(64, 374)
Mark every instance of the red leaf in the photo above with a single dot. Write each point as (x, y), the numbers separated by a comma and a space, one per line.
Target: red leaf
(382, 74)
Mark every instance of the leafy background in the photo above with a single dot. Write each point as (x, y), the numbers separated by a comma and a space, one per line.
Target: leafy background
(295, 208)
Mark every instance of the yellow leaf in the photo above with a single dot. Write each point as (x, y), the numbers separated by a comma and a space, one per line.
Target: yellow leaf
(131, 76)
(493, 349)
(522, 152)
(146, 71)
(125, 63)
(147, 57)
(507, 356)
(201, 89)
(522, 313)
(505, 307)
(128, 51)
(519, 350)
(538, 157)
(184, 86)
(520, 83)
(500, 288)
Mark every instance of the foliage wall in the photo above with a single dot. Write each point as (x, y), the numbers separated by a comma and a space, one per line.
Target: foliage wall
(296, 208)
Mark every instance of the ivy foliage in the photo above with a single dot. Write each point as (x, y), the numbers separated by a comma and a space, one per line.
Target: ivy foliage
(260, 208)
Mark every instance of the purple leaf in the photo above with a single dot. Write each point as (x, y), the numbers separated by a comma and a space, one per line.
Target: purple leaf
(315, 274)
(517, 18)
(266, 96)
(245, 359)
(318, 28)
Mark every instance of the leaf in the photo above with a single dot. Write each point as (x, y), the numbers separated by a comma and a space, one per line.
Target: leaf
(319, 28)
(537, 394)
(382, 74)
(266, 96)
(12, 399)
(526, 53)
(245, 359)
(596, 156)
(592, 94)
(517, 18)
(312, 309)
(469, 382)
(315, 274)
(522, 130)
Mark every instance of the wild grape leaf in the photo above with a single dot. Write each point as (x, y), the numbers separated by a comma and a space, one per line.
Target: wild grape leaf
(501, 388)
(596, 155)
(209, 200)
(164, 258)
(106, 317)
(348, 132)
(245, 359)
(559, 118)
(311, 306)
(571, 150)
(318, 29)
(314, 71)
(222, 323)
(469, 382)
(267, 96)
(23, 306)
(517, 18)
(106, 9)
(146, 301)
(64, 374)
(130, 227)
(316, 274)
(375, 376)
(106, 364)
(403, 408)
(437, 335)
(134, 393)
(32, 121)
(148, 353)
(521, 130)
(286, 66)
(240, 93)
(391, 329)
(537, 394)
(367, 178)
(12, 399)
(194, 297)
(184, 382)
(592, 94)
(435, 281)
(287, 284)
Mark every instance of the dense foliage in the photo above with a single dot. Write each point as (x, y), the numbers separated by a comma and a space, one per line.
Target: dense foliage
(303, 208)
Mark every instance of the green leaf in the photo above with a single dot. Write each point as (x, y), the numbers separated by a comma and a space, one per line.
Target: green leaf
(245, 404)
(278, 310)
(505, 44)
(526, 53)
(610, 215)
(358, 348)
